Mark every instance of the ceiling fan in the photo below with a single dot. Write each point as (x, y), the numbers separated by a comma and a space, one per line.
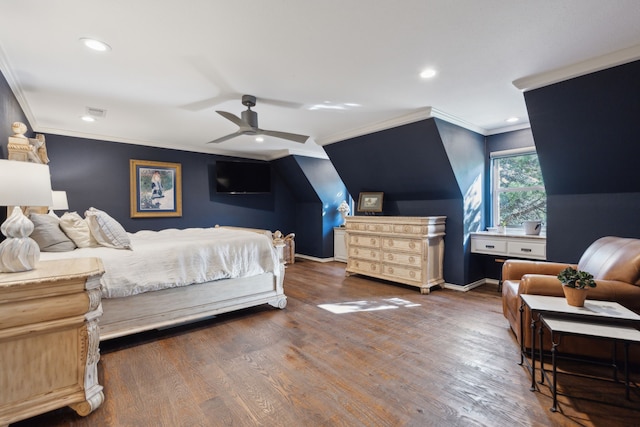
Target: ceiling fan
(248, 124)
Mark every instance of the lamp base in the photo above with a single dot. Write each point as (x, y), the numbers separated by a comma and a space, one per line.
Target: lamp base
(18, 252)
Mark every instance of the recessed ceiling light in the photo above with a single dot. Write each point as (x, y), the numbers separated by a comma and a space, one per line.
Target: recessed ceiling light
(327, 105)
(259, 139)
(512, 119)
(428, 73)
(95, 44)
(88, 118)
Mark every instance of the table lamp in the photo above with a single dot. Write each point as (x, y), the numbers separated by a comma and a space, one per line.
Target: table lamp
(59, 202)
(21, 184)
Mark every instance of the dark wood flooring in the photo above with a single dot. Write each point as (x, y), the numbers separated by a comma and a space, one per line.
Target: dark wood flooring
(394, 358)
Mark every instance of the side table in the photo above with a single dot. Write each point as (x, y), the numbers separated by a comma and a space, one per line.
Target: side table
(49, 339)
(558, 327)
(612, 321)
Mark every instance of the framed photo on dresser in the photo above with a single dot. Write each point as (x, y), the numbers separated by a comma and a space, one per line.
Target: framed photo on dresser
(370, 201)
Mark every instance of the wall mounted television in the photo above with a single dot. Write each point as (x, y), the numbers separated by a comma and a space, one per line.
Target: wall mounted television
(242, 177)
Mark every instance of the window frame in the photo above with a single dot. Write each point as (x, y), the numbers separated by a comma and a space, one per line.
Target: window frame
(496, 190)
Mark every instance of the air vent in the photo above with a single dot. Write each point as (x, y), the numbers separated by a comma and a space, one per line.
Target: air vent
(98, 113)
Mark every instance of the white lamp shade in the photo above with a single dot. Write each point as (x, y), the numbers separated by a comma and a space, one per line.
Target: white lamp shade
(24, 184)
(59, 200)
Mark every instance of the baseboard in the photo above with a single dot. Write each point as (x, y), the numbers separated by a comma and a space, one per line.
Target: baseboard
(312, 258)
(467, 288)
(461, 288)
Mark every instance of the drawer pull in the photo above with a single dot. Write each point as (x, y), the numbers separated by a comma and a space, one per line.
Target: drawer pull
(390, 270)
(373, 241)
(489, 246)
(390, 243)
(412, 260)
(525, 250)
(412, 245)
(373, 254)
(390, 257)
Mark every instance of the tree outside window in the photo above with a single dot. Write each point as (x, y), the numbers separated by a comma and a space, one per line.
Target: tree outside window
(518, 188)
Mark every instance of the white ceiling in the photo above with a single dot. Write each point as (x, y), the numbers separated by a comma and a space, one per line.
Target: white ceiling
(174, 63)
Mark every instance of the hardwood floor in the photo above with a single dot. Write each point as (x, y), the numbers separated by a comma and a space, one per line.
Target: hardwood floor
(394, 357)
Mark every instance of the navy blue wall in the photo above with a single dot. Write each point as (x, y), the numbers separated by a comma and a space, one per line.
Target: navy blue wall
(96, 173)
(466, 153)
(414, 166)
(587, 134)
(10, 112)
(318, 191)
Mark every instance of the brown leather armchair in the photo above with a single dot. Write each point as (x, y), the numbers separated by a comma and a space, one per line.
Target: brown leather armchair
(615, 265)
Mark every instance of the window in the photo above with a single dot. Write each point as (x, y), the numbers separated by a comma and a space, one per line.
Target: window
(518, 192)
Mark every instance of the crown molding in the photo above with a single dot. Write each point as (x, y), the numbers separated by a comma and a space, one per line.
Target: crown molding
(16, 88)
(592, 65)
(414, 116)
(508, 129)
(457, 121)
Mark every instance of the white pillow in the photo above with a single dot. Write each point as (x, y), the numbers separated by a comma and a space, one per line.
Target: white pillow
(77, 229)
(106, 230)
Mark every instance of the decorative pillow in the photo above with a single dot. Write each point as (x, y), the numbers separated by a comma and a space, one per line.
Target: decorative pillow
(106, 230)
(48, 235)
(77, 229)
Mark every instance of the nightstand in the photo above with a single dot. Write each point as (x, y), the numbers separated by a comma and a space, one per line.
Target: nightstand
(49, 339)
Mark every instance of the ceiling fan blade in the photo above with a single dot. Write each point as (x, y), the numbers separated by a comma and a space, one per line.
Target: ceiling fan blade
(281, 103)
(235, 119)
(208, 103)
(285, 135)
(225, 138)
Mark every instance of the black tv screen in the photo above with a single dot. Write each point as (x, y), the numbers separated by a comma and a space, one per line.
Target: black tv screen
(239, 177)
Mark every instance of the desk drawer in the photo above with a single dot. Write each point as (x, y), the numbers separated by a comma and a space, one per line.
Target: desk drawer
(489, 246)
(527, 249)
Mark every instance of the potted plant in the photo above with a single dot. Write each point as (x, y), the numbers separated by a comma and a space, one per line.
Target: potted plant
(575, 284)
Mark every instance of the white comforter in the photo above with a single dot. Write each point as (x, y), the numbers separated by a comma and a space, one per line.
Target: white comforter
(172, 258)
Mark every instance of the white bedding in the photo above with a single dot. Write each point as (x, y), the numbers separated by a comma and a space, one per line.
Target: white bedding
(172, 258)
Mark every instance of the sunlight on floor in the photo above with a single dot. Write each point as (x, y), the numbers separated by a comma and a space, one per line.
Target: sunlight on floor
(356, 306)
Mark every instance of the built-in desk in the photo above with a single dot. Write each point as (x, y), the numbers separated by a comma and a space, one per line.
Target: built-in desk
(510, 244)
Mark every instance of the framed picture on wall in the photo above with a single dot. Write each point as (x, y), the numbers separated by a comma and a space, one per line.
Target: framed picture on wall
(370, 202)
(156, 189)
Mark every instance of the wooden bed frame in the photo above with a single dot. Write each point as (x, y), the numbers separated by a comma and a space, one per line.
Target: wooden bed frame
(174, 306)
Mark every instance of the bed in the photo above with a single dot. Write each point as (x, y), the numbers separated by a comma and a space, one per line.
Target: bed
(158, 279)
(170, 277)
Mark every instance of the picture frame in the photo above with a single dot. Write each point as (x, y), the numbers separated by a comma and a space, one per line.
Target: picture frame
(370, 201)
(156, 189)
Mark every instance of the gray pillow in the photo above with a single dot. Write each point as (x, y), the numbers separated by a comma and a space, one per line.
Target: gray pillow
(48, 234)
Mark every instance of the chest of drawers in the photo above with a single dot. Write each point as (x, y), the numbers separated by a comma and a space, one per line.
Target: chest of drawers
(406, 250)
